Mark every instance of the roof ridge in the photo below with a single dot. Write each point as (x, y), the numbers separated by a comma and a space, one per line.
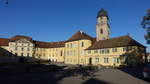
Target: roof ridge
(80, 35)
(21, 36)
(119, 37)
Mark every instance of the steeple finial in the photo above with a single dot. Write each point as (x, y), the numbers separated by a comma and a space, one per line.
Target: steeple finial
(102, 12)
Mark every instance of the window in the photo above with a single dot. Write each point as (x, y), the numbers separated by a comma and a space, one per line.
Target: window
(70, 53)
(114, 49)
(82, 44)
(106, 60)
(96, 51)
(28, 49)
(16, 48)
(61, 53)
(89, 51)
(103, 38)
(106, 51)
(102, 50)
(22, 49)
(125, 49)
(21, 54)
(97, 60)
(28, 54)
(74, 53)
(101, 31)
(101, 18)
(74, 45)
(67, 53)
(70, 45)
(81, 61)
(82, 52)
(116, 60)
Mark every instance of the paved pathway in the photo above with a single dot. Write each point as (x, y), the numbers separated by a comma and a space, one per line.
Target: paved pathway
(105, 76)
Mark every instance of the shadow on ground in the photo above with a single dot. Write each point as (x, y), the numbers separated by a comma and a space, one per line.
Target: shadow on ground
(42, 74)
(136, 71)
(95, 81)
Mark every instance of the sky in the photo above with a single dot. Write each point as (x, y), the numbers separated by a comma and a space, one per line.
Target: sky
(57, 20)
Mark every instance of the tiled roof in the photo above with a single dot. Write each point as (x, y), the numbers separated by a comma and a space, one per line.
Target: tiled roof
(4, 42)
(17, 37)
(57, 44)
(79, 36)
(41, 44)
(115, 42)
(109, 43)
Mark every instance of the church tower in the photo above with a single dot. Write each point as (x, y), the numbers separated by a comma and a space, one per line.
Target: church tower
(102, 26)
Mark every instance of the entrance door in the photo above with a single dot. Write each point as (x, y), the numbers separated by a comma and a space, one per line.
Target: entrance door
(90, 61)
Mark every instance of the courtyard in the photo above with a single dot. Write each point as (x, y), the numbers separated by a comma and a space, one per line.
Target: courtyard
(68, 74)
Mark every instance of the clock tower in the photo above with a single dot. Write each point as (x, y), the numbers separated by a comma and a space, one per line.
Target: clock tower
(102, 26)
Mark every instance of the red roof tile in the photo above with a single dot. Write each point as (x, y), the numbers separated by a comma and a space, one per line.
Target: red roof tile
(4, 42)
(17, 37)
(79, 36)
(115, 42)
(41, 44)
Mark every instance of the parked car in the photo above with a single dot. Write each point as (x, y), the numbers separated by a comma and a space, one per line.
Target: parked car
(146, 72)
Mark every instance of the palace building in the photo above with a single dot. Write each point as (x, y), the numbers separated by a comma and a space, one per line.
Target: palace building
(80, 48)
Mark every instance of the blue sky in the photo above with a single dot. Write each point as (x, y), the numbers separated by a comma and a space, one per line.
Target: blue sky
(56, 20)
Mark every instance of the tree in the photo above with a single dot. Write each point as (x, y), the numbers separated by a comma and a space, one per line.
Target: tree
(146, 25)
(133, 56)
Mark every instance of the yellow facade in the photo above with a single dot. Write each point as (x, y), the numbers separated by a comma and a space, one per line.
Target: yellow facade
(55, 54)
(75, 51)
